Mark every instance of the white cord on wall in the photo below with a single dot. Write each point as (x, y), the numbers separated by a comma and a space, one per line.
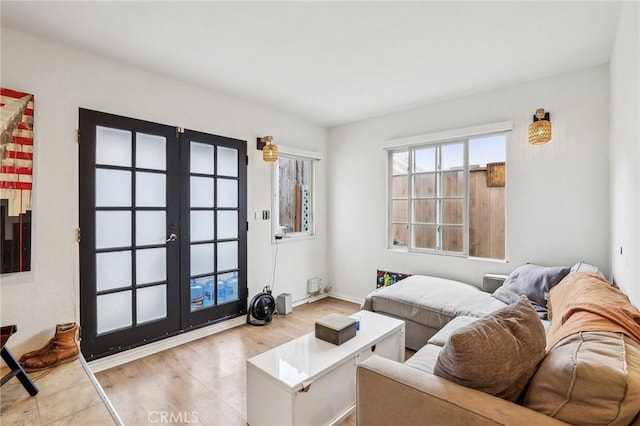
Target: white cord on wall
(275, 263)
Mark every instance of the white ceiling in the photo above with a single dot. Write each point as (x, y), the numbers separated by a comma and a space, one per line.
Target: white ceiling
(335, 62)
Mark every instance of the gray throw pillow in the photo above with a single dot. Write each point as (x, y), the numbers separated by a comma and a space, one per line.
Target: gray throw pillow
(496, 354)
(533, 281)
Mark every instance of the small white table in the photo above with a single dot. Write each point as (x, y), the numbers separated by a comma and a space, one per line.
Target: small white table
(308, 381)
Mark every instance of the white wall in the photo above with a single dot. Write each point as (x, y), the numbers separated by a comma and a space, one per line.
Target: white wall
(64, 79)
(624, 148)
(557, 193)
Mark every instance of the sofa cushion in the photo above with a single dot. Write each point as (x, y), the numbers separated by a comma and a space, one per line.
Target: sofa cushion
(431, 301)
(533, 281)
(425, 359)
(496, 354)
(442, 336)
(588, 378)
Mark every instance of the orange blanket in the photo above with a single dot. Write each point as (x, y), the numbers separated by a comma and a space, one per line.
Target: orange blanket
(585, 301)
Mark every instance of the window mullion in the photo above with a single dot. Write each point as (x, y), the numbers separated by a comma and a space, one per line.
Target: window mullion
(410, 198)
(465, 196)
(439, 190)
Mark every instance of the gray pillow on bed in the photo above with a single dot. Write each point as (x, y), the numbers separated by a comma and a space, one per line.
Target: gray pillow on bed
(532, 281)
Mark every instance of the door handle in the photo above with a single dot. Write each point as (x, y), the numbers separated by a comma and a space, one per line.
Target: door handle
(172, 237)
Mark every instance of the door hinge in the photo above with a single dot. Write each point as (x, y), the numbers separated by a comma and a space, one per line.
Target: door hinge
(247, 226)
(247, 159)
(178, 131)
(78, 136)
(78, 234)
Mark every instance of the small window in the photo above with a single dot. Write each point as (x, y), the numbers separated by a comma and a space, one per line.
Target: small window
(293, 196)
(449, 197)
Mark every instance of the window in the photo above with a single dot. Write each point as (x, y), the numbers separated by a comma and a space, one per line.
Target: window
(448, 197)
(293, 196)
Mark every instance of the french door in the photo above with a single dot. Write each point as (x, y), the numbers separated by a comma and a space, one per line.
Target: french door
(162, 231)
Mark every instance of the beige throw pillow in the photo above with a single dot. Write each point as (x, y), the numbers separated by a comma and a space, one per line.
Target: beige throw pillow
(496, 354)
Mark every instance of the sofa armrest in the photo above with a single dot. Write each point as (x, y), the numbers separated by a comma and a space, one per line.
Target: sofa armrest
(389, 392)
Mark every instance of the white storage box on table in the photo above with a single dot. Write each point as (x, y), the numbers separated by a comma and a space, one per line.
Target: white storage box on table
(308, 381)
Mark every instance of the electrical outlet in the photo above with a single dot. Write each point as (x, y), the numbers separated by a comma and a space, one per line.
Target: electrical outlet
(265, 214)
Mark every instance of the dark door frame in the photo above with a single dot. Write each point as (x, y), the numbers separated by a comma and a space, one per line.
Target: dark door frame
(178, 319)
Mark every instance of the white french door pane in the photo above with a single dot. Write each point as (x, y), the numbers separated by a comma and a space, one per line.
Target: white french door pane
(151, 189)
(399, 211)
(201, 158)
(399, 235)
(227, 193)
(452, 156)
(202, 225)
(151, 152)
(113, 229)
(453, 211)
(201, 192)
(227, 255)
(400, 163)
(151, 227)
(425, 236)
(113, 188)
(201, 259)
(113, 146)
(114, 311)
(424, 160)
(452, 238)
(227, 224)
(151, 303)
(227, 161)
(113, 270)
(151, 265)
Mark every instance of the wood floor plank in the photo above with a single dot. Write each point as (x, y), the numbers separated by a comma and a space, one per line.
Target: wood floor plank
(205, 380)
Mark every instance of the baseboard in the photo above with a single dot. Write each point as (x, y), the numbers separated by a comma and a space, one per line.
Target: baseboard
(346, 298)
(162, 345)
(310, 299)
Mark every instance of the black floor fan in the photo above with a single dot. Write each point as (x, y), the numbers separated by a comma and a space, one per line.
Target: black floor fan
(261, 308)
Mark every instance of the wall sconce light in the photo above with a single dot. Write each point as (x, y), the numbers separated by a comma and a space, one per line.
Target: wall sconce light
(269, 150)
(540, 129)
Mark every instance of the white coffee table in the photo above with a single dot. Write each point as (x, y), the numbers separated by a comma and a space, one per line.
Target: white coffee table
(308, 381)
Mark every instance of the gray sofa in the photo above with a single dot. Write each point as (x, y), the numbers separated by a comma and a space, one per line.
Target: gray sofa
(427, 303)
(602, 369)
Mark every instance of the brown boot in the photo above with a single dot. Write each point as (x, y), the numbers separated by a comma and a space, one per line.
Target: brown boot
(46, 348)
(62, 348)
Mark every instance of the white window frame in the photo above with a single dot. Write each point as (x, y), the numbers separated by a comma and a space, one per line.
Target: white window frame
(413, 143)
(276, 230)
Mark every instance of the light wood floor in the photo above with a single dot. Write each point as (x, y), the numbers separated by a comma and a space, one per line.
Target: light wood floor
(205, 380)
